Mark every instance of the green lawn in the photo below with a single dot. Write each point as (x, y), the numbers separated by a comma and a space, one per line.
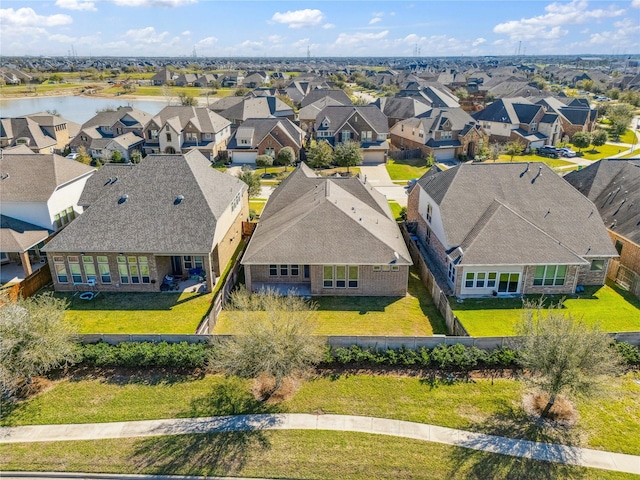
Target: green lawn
(604, 151)
(413, 314)
(629, 137)
(634, 154)
(165, 312)
(550, 162)
(614, 309)
(396, 208)
(406, 169)
(257, 205)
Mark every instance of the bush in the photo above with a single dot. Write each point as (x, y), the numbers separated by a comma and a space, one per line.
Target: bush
(146, 354)
(629, 353)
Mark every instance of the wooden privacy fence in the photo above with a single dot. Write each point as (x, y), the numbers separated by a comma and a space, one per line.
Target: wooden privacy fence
(405, 154)
(30, 284)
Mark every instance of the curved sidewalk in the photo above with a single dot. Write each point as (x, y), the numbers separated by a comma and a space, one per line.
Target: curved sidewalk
(489, 443)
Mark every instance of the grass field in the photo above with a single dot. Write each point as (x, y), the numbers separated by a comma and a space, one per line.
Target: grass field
(413, 314)
(629, 137)
(601, 152)
(406, 169)
(550, 162)
(609, 306)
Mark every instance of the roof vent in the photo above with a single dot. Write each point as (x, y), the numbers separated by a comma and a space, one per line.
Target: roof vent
(123, 199)
(4, 176)
(108, 182)
(178, 200)
(115, 179)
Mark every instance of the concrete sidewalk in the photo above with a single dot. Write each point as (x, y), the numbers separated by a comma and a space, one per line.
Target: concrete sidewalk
(347, 423)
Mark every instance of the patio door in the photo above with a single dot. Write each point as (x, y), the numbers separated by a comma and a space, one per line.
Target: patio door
(509, 283)
(176, 266)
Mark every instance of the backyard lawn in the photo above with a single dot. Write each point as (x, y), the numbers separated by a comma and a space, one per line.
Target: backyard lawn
(609, 306)
(396, 208)
(257, 205)
(411, 315)
(165, 312)
(406, 169)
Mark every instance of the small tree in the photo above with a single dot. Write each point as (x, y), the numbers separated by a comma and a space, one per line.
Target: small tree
(320, 155)
(116, 156)
(187, 100)
(264, 161)
(562, 355)
(620, 115)
(34, 338)
(494, 151)
(286, 156)
(83, 156)
(252, 179)
(276, 340)
(599, 138)
(581, 140)
(348, 154)
(512, 149)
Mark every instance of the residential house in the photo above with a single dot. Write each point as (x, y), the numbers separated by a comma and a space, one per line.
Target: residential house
(257, 107)
(13, 76)
(177, 129)
(576, 115)
(432, 93)
(186, 80)
(307, 115)
(39, 195)
(231, 79)
(614, 187)
(444, 134)
(258, 136)
(255, 79)
(327, 236)
(365, 124)
(128, 145)
(319, 93)
(169, 215)
(400, 108)
(206, 80)
(163, 77)
(508, 229)
(41, 132)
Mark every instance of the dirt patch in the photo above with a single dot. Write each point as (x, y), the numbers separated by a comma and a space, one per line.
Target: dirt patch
(562, 413)
(263, 389)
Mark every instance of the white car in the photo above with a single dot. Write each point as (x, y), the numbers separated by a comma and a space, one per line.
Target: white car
(72, 156)
(567, 152)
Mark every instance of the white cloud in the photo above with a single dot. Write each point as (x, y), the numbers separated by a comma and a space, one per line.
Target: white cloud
(303, 43)
(27, 17)
(478, 41)
(276, 38)
(207, 42)
(328, 26)
(549, 25)
(635, 4)
(61, 38)
(186, 33)
(146, 36)
(375, 20)
(153, 3)
(77, 5)
(299, 18)
(624, 36)
(356, 39)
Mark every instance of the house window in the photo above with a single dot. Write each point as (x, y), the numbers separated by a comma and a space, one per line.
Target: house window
(89, 269)
(619, 246)
(61, 273)
(74, 269)
(119, 131)
(534, 127)
(103, 269)
(469, 280)
(491, 279)
(429, 212)
(273, 270)
(134, 272)
(346, 135)
(341, 276)
(168, 136)
(327, 276)
(192, 137)
(295, 270)
(153, 134)
(187, 262)
(144, 269)
(395, 268)
(270, 151)
(236, 201)
(366, 136)
(597, 265)
(446, 135)
(421, 133)
(550, 275)
(306, 271)
(377, 268)
(207, 136)
(451, 272)
(284, 270)
(198, 261)
(123, 271)
(382, 137)
(353, 276)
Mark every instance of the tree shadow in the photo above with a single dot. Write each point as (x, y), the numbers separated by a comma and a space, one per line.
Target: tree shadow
(133, 376)
(518, 459)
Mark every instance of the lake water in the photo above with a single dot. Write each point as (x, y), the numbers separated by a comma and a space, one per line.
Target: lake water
(74, 108)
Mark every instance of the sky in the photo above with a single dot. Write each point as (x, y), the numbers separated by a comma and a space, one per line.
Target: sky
(347, 28)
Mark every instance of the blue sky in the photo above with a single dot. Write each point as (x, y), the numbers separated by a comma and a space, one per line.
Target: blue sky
(327, 28)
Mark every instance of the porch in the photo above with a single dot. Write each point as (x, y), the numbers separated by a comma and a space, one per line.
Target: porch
(301, 289)
(14, 271)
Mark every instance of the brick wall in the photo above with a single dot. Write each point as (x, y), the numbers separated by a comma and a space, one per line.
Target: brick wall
(227, 246)
(369, 283)
(630, 253)
(586, 276)
(568, 287)
(260, 274)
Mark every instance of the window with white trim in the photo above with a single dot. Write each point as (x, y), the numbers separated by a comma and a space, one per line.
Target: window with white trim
(327, 276)
(273, 270)
(74, 269)
(103, 269)
(61, 270)
(446, 135)
(597, 265)
(550, 275)
(89, 268)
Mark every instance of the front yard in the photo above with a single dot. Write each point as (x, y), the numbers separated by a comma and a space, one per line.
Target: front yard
(609, 306)
(406, 169)
(414, 314)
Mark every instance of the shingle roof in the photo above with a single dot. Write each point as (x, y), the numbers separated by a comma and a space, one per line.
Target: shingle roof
(258, 128)
(34, 177)
(102, 180)
(178, 117)
(132, 115)
(614, 187)
(327, 224)
(142, 212)
(536, 201)
(338, 115)
(401, 107)
(17, 236)
(318, 93)
(257, 107)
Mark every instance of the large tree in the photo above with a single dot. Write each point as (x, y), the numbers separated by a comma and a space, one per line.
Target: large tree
(276, 338)
(348, 154)
(34, 338)
(512, 149)
(581, 140)
(560, 354)
(599, 138)
(252, 179)
(286, 156)
(620, 115)
(320, 155)
(264, 161)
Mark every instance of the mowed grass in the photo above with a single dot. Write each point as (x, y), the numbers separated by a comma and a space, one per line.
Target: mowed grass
(603, 151)
(634, 154)
(550, 162)
(406, 169)
(612, 308)
(610, 422)
(283, 454)
(413, 314)
(257, 205)
(396, 209)
(629, 137)
(165, 312)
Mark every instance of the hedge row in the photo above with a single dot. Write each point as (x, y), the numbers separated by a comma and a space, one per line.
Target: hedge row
(196, 355)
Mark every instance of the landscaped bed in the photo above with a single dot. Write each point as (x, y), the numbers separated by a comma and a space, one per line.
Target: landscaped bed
(609, 306)
(411, 315)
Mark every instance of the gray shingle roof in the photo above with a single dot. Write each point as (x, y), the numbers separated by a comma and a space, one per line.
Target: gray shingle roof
(202, 118)
(102, 180)
(338, 115)
(532, 200)
(17, 236)
(326, 224)
(34, 177)
(151, 218)
(131, 116)
(258, 128)
(257, 107)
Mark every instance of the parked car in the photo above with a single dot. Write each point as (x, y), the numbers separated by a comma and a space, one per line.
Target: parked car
(548, 151)
(72, 156)
(567, 152)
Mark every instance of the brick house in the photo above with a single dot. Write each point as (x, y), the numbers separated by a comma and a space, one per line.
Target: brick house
(41, 132)
(258, 136)
(327, 236)
(507, 229)
(575, 114)
(614, 187)
(169, 215)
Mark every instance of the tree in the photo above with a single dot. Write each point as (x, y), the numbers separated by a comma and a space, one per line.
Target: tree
(348, 154)
(562, 355)
(286, 156)
(264, 161)
(34, 338)
(512, 149)
(187, 100)
(276, 340)
(461, 93)
(252, 179)
(620, 115)
(495, 149)
(320, 155)
(599, 138)
(116, 156)
(83, 156)
(581, 140)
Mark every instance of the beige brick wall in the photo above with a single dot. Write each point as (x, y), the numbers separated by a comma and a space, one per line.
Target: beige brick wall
(630, 254)
(586, 276)
(370, 283)
(569, 284)
(228, 245)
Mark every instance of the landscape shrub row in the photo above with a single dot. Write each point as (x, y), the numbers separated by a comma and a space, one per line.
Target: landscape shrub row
(147, 354)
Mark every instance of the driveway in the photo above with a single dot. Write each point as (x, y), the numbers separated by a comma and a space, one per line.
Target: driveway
(378, 177)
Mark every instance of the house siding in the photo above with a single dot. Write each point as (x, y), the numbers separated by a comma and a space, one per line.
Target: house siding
(370, 283)
(569, 286)
(586, 276)
(630, 254)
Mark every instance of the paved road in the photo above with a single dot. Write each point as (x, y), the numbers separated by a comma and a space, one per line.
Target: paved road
(348, 423)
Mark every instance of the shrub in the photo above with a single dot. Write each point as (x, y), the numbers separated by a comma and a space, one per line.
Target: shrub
(146, 354)
(629, 353)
